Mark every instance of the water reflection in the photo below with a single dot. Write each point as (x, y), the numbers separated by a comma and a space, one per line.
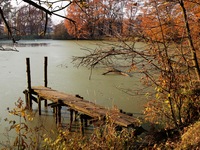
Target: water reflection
(26, 44)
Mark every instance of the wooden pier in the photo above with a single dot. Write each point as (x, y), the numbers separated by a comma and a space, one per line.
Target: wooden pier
(87, 111)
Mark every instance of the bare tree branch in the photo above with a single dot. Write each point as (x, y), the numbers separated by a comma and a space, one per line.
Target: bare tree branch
(38, 6)
(46, 23)
(7, 25)
(47, 11)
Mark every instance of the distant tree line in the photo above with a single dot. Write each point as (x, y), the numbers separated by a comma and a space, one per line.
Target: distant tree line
(30, 21)
(61, 32)
(103, 18)
(92, 19)
(25, 22)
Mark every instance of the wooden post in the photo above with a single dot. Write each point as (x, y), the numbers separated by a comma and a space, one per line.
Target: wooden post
(76, 114)
(28, 70)
(26, 98)
(45, 76)
(86, 122)
(39, 105)
(59, 114)
(56, 113)
(71, 118)
(81, 125)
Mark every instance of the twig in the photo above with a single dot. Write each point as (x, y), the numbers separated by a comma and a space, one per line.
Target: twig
(7, 25)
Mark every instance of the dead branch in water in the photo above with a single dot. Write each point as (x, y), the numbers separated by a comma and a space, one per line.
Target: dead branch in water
(117, 71)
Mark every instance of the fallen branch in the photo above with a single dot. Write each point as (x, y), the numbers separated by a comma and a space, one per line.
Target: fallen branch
(117, 71)
(8, 49)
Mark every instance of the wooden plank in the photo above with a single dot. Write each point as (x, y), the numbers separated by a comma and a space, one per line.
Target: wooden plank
(34, 99)
(123, 119)
(84, 107)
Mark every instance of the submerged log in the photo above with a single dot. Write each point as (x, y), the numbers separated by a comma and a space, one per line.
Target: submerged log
(117, 71)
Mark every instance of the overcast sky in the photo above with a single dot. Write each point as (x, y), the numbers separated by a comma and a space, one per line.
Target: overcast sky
(55, 19)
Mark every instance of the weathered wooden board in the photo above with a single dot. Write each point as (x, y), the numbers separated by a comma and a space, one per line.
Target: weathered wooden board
(83, 106)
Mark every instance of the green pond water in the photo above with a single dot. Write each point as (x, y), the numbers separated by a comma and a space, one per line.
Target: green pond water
(104, 90)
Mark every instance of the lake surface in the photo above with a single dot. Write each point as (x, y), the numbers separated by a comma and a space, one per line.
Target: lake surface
(104, 90)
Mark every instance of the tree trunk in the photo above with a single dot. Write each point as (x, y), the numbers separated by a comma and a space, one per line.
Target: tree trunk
(191, 44)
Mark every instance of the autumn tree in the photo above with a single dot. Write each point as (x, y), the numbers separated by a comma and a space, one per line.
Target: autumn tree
(80, 29)
(167, 28)
(88, 18)
(60, 32)
(96, 19)
(168, 59)
(130, 21)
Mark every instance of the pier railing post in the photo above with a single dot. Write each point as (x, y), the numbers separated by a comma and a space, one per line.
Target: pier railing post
(45, 76)
(28, 70)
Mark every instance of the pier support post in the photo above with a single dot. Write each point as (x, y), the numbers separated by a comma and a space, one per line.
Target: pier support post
(26, 98)
(81, 125)
(76, 112)
(59, 114)
(45, 77)
(39, 105)
(71, 118)
(56, 113)
(86, 122)
(54, 110)
(28, 70)
(76, 115)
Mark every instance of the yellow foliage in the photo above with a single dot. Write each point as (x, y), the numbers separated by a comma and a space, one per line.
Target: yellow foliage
(191, 139)
(17, 128)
